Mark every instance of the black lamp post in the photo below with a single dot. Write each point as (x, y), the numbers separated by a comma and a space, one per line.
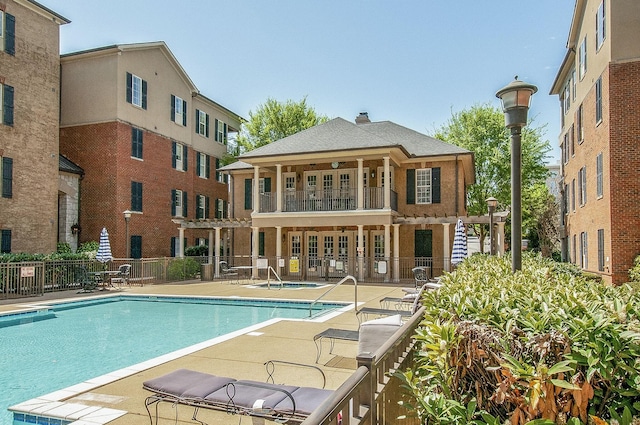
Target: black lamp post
(515, 98)
(127, 216)
(492, 203)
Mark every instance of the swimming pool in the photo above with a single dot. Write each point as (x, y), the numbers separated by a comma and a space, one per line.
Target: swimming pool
(52, 348)
(291, 285)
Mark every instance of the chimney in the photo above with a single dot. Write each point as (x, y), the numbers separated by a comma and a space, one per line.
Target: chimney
(363, 118)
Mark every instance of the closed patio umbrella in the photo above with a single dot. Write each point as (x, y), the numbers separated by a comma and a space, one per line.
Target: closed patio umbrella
(459, 252)
(104, 249)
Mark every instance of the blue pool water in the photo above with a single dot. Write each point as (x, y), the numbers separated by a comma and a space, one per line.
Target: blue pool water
(70, 343)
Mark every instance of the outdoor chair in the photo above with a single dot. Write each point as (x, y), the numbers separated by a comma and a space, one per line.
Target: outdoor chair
(122, 277)
(86, 281)
(225, 271)
(414, 299)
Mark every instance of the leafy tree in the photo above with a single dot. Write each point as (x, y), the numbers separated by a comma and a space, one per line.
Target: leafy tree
(274, 120)
(481, 130)
(544, 221)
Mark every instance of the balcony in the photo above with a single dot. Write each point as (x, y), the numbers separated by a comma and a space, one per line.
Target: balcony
(326, 200)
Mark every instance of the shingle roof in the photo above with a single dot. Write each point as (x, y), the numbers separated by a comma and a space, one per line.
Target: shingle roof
(64, 164)
(340, 134)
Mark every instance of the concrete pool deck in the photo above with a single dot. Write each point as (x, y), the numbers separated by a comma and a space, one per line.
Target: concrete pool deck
(241, 357)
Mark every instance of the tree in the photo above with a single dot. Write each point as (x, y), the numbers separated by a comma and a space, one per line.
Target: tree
(481, 130)
(544, 221)
(274, 120)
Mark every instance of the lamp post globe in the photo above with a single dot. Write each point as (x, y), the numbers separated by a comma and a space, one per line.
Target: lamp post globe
(515, 98)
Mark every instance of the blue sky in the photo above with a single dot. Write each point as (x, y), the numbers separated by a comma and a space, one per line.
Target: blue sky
(413, 62)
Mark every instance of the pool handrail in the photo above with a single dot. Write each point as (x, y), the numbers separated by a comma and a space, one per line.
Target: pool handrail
(269, 270)
(347, 277)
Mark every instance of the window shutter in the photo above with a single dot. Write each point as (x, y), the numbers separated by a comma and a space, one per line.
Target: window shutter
(206, 207)
(411, 186)
(185, 162)
(197, 206)
(216, 213)
(5, 241)
(185, 211)
(217, 172)
(225, 209)
(129, 88)
(173, 246)
(10, 34)
(224, 135)
(173, 202)
(216, 132)
(247, 194)
(207, 166)
(7, 177)
(7, 108)
(144, 94)
(198, 121)
(206, 128)
(261, 243)
(173, 154)
(267, 184)
(435, 185)
(173, 108)
(184, 113)
(198, 162)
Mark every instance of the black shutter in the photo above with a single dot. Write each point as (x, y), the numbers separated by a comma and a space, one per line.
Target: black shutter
(215, 136)
(173, 154)
(5, 241)
(411, 186)
(216, 212)
(10, 34)
(185, 162)
(435, 185)
(129, 88)
(7, 177)
(217, 166)
(267, 185)
(206, 128)
(197, 206)
(184, 113)
(225, 209)
(173, 202)
(198, 164)
(173, 108)
(261, 243)
(225, 134)
(7, 102)
(185, 211)
(173, 246)
(144, 94)
(206, 207)
(198, 121)
(207, 166)
(247, 194)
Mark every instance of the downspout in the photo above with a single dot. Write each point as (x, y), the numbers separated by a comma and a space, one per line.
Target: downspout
(457, 205)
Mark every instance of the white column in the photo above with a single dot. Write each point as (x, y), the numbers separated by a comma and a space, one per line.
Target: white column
(500, 241)
(360, 251)
(387, 249)
(360, 180)
(217, 249)
(396, 252)
(256, 189)
(278, 188)
(387, 184)
(278, 249)
(210, 251)
(181, 242)
(446, 248)
(255, 234)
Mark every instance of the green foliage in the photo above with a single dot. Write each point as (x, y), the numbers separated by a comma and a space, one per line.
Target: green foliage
(196, 251)
(275, 120)
(634, 272)
(183, 269)
(545, 343)
(90, 246)
(63, 248)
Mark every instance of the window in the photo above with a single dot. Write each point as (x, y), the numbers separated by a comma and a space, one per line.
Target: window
(178, 203)
(220, 176)
(7, 33)
(423, 186)
(573, 250)
(202, 165)
(5, 241)
(202, 206)
(136, 196)
(136, 246)
(582, 58)
(599, 179)
(573, 85)
(580, 125)
(7, 177)
(136, 91)
(178, 110)
(566, 97)
(600, 26)
(221, 132)
(220, 208)
(599, 100)
(565, 198)
(6, 104)
(601, 250)
(136, 142)
(573, 195)
(583, 250)
(202, 123)
(572, 146)
(179, 158)
(582, 186)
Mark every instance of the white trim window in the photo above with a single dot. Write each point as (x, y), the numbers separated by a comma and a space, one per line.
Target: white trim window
(601, 31)
(582, 58)
(179, 111)
(202, 165)
(136, 91)
(203, 123)
(180, 156)
(599, 176)
(1, 30)
(566, 97)
(423, 186)
(220, 208)
(221, 131)
(177, 202)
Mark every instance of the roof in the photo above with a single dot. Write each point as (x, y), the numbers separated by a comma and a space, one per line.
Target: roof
(66, 165)
(339, 134)
(57, 18)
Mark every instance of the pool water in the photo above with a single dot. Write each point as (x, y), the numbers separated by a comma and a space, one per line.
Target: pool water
(291, 285)
(49, 350)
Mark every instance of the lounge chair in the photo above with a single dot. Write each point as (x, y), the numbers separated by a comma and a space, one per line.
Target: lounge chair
(281, 403)
(414, 299)
(225, 271)
(122, 277)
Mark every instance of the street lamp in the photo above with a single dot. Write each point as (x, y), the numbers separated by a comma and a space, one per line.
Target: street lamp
(515, 98)
(492, 203)
(127, 216)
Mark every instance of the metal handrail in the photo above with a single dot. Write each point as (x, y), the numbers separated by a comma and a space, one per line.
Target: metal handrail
(269, 270)
(355, 285)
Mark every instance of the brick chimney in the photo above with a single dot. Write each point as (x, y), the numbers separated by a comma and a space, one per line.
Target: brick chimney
(363, 118)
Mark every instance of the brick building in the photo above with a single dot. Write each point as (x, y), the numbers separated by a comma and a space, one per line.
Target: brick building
(29, 111)
(598, 85)
(148, 141)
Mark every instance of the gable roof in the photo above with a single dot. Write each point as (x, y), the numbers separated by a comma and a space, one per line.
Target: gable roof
(339, 134)
(66, 165)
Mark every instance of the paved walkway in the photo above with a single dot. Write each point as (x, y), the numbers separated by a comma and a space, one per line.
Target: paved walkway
(241, 357)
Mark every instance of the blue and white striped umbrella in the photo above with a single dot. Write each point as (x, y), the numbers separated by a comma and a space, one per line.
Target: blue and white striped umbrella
(104, 249)
(459, 252)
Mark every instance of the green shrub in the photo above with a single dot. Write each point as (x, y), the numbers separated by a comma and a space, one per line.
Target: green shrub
(63, 248)
(91, 246)
(543, 343)
(183, 269)
(197, 251)
(634, 272)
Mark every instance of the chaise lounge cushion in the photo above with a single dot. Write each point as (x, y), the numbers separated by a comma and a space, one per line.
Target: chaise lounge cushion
(184, 383)
(251, 394)
(307, 400)
(376, 332)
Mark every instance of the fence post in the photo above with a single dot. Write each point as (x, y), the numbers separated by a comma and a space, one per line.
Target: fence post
(368, 394)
